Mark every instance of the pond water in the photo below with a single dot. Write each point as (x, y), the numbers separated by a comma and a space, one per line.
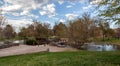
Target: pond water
(99, 47)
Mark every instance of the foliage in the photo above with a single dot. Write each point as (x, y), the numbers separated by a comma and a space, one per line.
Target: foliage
(106, 30)
(31, 41)
(41, 31)
(111, 10)
(60, 30)
(118, 33)
(81, 29)
(2, 19)
(9, 32)
(27, 32)
(2, 23)
(36, 30)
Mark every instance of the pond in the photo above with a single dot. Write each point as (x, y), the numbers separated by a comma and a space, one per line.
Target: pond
(100, 47)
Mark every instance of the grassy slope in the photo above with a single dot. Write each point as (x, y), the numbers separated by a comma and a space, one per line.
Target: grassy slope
(81, 58)
(114, 41)
(111, 40)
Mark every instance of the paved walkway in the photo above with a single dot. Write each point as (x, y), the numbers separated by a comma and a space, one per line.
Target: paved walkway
(23, 49)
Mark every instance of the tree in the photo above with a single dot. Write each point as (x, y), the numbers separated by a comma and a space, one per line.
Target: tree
(8, 32)
(111, 10)
(60, 30)
(2, 23)
(1, 34)
(80, 30)
(75, 31)
(27, 32)
(36, 30)
(118, 33)
(2, 19)
(47, 28)
(30, 31)
(40, 31)
(22, 32)
(107, 32)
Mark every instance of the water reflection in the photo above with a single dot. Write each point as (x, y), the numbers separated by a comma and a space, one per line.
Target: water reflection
(106, 47)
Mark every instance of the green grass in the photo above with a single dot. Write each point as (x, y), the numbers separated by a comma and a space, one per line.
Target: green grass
(110, 40)
(113, 40)
(81, 58)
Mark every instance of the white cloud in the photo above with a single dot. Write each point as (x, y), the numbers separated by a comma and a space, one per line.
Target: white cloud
(43, 12)
(15, 14)
(49, 7)
(70, 1)
(25, 12)
(71, 16)
(33, 16)
(74, 1)
(87, 7)
(62, 20)
(11, 8)
(69, 6)
(18, 24)
(23, 7)
(95, 1)
(61, 2)
(49, 10)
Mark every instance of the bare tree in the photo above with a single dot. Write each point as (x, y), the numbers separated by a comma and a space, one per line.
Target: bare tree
(2, 19)
(2, 23)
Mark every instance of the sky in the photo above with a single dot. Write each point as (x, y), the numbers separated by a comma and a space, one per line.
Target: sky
(20, 13)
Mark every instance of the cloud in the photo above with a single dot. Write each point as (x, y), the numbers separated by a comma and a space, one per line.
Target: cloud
(70, 1)
(11, 8)
(43, 12)
(74, 1)
(87, 7)
(60, 1)
(25, 7)
(25, 12)
(69, 6)
(21, 7)
(48, 22)
(33, 16)
(18, 24)
(71, 16)
(49, 10)
(62, 20)
(95, 1)
(14, 14)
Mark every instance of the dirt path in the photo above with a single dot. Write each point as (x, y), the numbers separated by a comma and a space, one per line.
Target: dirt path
(23, 49)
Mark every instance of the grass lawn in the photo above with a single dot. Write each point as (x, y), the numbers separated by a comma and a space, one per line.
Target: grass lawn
(110, 40)
(114, 41)
(81, 58)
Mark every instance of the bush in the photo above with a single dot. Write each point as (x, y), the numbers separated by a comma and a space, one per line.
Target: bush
(31, 42)
(7, 42)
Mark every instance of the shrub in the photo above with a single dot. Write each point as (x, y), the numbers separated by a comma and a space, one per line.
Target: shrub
(31, 42)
